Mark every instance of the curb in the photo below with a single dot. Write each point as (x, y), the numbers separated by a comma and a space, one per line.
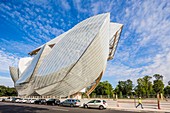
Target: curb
(139, 110)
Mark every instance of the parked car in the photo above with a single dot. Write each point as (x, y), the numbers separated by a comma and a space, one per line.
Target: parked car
(28, 101)
(8, 99)
(2, 100)
(40, 101)
(31, 101)
(14, 99)
(24, 100)
(18, 100)
(53, 102)
(101, 104)
(71, 103)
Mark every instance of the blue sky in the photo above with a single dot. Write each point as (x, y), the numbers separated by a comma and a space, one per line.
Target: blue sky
(143, 49)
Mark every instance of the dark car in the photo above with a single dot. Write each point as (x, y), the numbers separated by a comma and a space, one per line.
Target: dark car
(71, 103)
(53, 102)
(40, 101)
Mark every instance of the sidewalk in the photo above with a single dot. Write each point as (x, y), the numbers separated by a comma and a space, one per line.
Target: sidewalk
(140, 110)
(150, 105)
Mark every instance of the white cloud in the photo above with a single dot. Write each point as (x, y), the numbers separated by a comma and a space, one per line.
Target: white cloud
(78, 4)
(6, 60)
(6, 81)
(160, 65)
(37, 26)
(65, 4)
(96, 7)
(102, 6)
(149, 51)
(17, 46)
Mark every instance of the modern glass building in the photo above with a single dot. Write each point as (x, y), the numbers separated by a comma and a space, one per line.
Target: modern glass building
(70, 62)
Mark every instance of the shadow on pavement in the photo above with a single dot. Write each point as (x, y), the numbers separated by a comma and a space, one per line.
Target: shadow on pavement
(19, 109)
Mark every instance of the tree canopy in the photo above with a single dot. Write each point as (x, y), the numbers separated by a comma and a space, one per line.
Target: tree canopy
(158, 85)
(104, 88)
(144, 86)
(6, 91)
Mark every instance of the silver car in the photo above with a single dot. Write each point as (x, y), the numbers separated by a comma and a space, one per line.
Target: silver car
(101, 104)
(71, 103)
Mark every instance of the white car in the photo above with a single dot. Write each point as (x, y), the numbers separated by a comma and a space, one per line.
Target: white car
(101, 104)
(18, 100)
(8, 99)
(2, 99)
(30, 101)
(24, 100)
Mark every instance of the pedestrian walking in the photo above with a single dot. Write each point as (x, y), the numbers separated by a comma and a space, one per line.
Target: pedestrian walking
(139, 102)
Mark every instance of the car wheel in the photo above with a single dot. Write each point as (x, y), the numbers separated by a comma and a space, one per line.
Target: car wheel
(85, 106)
(71, 105)
(101, 107)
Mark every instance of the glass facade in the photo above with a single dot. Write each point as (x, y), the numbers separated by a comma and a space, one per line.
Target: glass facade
(74, 61)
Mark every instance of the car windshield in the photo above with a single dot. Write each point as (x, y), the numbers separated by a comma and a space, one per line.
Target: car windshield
(92, 101)
(50, 99)
(98, 101)
(78, 100)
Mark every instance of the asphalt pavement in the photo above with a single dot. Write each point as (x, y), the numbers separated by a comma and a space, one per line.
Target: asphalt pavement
(32, 108)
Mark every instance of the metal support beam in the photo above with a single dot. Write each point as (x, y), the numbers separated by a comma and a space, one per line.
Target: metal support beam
(94, 86)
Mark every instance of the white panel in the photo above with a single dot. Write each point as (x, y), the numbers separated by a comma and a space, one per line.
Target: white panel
(25, 76)
(114, 27)
(14, 72)
(28, 88)
(24, 63)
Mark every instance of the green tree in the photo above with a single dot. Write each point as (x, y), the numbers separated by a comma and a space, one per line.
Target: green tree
(147, 85)
(124, 88)
(128, 87)
(104, 88)
(168, 82)
(120, 95)
(6, 91)
(167, 91)
(144, 86)
(139, 89)
(2, 90)
(158, 77)
(158, 85)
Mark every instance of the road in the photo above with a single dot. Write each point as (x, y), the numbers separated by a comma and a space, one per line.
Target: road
(32, 108)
